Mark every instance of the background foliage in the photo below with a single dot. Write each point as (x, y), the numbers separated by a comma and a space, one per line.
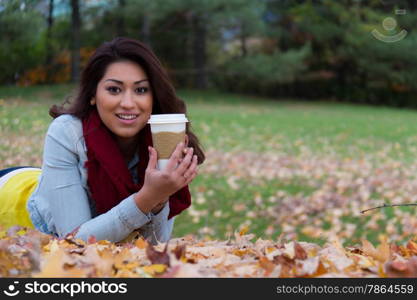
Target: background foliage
(308, 49)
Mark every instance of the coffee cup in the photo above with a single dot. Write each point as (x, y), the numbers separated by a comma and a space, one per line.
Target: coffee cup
(168, 130)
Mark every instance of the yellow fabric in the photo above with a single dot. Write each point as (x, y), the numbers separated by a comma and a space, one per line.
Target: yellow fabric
(13, 198)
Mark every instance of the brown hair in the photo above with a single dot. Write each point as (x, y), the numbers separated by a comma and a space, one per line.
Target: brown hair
(165, 99)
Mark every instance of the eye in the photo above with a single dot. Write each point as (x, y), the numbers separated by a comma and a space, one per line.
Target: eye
(141, 90)
(113, 90)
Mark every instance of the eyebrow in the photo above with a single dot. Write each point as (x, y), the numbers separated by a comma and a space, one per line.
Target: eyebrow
(121, 82)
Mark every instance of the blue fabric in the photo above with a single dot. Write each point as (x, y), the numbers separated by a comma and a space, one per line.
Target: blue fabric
(8, 170)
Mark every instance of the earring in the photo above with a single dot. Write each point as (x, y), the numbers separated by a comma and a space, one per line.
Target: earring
(93, 101)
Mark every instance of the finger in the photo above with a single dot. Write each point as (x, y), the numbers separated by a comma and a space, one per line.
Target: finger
(183, 166)
(153, 158)
(175, 156)
(183, 153)
(186, 140)
(192, 167)
(191, 178)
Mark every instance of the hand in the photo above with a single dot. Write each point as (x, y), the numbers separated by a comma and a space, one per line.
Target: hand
(161, 205)
(160, 184)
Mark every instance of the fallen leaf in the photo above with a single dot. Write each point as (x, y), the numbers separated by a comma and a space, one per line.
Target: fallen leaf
(406, 268)
(141, 243)
(157, 257)
(382, 253)
(155, 269)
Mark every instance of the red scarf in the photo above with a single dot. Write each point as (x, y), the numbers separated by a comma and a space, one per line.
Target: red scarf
(109, 178)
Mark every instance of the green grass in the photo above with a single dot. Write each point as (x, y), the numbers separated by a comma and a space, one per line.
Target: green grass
(347, 129)
(238, 123)
(55, 93)
(235, 205)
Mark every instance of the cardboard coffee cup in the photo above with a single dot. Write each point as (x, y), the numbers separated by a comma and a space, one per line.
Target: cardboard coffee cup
(168, 130)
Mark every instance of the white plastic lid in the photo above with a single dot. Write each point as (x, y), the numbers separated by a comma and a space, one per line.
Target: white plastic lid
(167, 118)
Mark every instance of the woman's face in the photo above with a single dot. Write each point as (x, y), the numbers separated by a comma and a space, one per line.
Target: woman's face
(124, 99)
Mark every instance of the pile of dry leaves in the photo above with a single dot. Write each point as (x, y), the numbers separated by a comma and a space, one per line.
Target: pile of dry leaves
(29, 253)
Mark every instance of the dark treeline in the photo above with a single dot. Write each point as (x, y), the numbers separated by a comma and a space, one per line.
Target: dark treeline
(360, 51)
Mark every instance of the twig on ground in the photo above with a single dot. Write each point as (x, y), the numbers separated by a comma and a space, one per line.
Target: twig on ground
(388, 205)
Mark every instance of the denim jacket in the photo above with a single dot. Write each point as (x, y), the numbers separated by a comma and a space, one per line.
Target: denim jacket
(61, 202)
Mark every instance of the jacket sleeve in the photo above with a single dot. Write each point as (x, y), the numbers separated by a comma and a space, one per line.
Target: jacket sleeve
(63, 201)
(160, 228)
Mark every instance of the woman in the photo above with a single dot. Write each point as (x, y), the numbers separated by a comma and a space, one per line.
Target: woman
(99, 177)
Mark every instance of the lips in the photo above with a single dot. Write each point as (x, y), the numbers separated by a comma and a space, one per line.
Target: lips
(127, 117)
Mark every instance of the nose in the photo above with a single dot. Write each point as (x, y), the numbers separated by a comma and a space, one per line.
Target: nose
(127, 101)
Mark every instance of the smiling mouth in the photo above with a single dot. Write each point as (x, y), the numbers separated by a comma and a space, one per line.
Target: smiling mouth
(127, 116)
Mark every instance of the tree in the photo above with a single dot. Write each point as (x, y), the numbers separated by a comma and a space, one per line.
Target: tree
(19, 36)
(121, 25)
(75, 40)
(50, 21)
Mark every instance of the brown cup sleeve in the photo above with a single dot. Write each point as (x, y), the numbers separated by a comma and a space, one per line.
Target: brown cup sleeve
(165, 142)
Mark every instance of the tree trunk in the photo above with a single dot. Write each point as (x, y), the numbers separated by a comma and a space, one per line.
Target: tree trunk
(75, 40)
(199, 52)
(188, 51)
(341, 79)
(121, 27)
(145, 32)
(412, 4)
(243, 45)
(49, 51)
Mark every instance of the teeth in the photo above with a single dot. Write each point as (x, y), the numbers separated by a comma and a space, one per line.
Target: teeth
(127, 117)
